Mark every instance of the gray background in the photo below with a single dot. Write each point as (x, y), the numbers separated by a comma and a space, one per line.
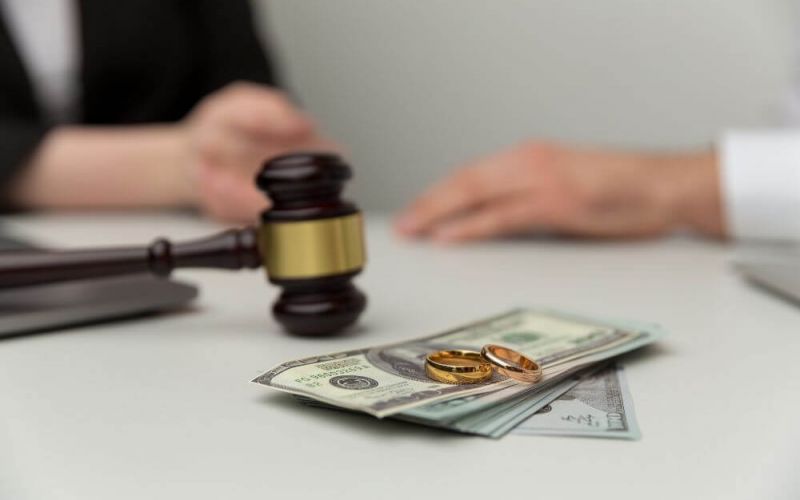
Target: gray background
(415, 87)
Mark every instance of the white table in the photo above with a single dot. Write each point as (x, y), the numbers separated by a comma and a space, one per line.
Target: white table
(161, 407)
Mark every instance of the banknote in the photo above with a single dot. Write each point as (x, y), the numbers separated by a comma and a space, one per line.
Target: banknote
(390, 379)
(598, 406)
(499, 425)
(493, 422)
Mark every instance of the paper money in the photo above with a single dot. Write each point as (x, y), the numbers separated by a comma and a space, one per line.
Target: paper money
(390, 379)
(598, 406)
(493, 422)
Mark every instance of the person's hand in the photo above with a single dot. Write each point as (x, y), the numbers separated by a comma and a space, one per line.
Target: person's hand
(539, 186)
(229, 135)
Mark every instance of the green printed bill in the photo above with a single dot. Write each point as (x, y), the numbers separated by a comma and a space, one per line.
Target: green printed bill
(600, 405)
(495, 421)
(390, 380)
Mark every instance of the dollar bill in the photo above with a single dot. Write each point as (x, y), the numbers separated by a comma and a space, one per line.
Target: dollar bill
(497, 426)
(390, 379)
(494, 422)
(598, 406)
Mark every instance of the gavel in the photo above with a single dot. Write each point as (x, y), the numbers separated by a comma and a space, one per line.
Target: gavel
(310, 243)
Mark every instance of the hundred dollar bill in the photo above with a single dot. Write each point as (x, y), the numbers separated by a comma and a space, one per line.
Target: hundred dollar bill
(492, 422)
(497, 420)
(598, 406)
(390, 379)
(519, 410)
(486, 420)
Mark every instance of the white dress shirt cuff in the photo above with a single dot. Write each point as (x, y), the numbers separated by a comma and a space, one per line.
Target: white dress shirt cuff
(760, 175)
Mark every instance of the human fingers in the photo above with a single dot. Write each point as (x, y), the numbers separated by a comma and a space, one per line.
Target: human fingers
(316, 144)
(461, 191)
(516, 170)
(504, 217)
(229, 196)
(228, 149)
(257, 110)
(231, 150)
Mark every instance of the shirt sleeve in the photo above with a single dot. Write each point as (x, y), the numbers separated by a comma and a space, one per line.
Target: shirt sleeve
(760, 175)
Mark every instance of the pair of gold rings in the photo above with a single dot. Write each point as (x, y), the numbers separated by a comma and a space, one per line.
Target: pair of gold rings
(471, 367)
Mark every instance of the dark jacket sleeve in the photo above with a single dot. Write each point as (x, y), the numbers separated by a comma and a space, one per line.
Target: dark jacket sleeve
(19, 138)
(21, 124)
(229, 47)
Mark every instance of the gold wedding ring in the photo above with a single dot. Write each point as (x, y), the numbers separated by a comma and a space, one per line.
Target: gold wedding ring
(457, 367)
(512, 364)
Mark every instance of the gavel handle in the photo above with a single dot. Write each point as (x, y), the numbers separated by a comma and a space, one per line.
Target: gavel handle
(231, 249)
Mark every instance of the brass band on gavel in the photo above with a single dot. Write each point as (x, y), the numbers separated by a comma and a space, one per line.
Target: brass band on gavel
(314, 248)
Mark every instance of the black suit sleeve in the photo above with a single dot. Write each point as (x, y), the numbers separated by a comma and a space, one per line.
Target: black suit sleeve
(21, 126)
(142, 61)
(229, 48)
(18, 140)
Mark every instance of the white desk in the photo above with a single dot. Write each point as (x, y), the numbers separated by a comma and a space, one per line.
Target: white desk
(161, 408)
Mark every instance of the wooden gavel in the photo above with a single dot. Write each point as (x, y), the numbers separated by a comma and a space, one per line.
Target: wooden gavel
(310, 242)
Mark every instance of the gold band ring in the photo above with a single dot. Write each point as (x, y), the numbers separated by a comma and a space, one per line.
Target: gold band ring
(457, 367)
(458, 378)
(512, 364)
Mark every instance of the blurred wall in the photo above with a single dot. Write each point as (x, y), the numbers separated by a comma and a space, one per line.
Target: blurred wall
(413, 87)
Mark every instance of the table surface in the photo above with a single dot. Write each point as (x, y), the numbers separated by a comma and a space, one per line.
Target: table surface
(161, 407)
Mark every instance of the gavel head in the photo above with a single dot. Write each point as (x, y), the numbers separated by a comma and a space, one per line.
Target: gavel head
(312, 243)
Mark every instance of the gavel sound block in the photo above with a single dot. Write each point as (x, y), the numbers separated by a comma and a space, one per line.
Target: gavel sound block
(310, 242)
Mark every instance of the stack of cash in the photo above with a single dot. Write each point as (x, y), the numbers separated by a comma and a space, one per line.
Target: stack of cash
(582, 390)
